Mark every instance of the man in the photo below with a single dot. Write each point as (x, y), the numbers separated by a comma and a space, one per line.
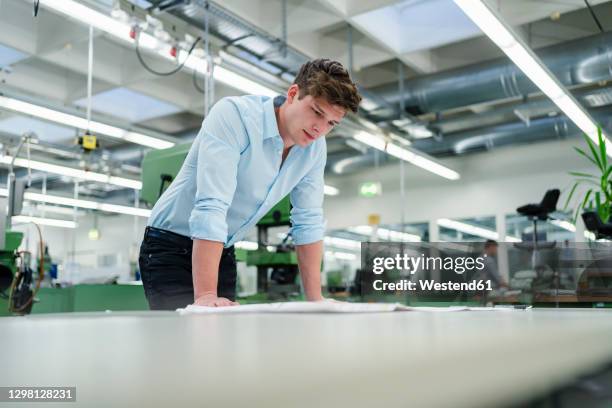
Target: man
(490, 271)
(250, 153)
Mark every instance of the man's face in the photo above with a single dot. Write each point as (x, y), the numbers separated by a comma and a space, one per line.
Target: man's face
(309, 118)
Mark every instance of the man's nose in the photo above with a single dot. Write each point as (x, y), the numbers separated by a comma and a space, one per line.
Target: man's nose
(320, 129)
(315, 130)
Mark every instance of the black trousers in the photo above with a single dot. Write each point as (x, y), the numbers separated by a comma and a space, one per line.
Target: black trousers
(165, 267)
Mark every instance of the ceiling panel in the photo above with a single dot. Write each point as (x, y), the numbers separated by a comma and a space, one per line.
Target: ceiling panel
(414, 25)
(129, 105)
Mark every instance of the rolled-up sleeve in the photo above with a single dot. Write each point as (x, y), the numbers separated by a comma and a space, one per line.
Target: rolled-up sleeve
(307, 221)
(221, 140)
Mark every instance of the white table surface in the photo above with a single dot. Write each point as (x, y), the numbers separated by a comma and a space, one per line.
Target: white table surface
(416, 359)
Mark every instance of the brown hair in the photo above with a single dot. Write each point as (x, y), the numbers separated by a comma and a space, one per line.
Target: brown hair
(328, 79)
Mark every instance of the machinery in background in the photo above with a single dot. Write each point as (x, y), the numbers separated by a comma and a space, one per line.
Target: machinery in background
(277, 268)
(17, 287)
(13, 292)
(159, 168)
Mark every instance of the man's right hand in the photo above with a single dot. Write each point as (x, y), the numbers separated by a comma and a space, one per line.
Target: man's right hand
(212, 300)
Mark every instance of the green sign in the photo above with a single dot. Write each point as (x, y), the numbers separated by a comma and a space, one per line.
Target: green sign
(370, 189)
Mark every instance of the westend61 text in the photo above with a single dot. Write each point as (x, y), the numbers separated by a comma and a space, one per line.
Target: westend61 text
(404, 285)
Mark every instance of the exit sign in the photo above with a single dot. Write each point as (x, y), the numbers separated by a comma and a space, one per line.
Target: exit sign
(370, 189)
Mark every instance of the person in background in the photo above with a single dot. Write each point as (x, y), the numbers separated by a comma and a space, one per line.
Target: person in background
(490, 270)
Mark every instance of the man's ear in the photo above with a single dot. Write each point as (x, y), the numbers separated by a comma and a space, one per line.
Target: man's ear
(293, 92)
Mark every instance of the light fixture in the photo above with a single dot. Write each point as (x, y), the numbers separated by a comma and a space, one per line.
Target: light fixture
(23, 219)
(572, 228)
(341, 255)
(513, 46)
(121, 31)
(342, 243)
(367, 104)
(473, 230)
(87, 204)
(92, 205)
(331, 191)
(73, 172)
(387, 234)
(248, 245)
(241, 83)
(566, 225)
(93, 234)
(52, 115)
(402, 153)
(55, 209)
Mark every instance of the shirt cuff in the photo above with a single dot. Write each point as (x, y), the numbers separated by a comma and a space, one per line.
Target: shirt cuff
(209, 224)
(308, 227)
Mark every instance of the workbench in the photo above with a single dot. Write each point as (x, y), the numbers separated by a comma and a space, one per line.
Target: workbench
(417, 359)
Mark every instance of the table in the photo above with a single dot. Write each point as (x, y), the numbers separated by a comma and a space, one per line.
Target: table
(160, 359)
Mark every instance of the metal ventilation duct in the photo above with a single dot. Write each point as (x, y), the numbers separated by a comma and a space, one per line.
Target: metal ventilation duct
(582, 61)
(557, 127)
(547, 128)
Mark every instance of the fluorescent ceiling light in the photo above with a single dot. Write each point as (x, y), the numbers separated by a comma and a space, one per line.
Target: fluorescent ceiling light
(387, 234)
(249, 245)
(121, 31)
(367, 104)
(241, 83)
(501, 34)
(329, 190)
(341, 255)
(407, 155)
(22, 219)
(572, 228)
(342, 243)
(46, 208)
(590, 235)
(566, 225)
(473, 230)
(73, 172)
(87, 204)
(67, 119)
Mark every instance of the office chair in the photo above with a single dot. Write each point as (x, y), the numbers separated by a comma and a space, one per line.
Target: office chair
(541, 212)
(593, 223)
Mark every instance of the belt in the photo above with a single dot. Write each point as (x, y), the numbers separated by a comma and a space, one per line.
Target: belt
(173, 237)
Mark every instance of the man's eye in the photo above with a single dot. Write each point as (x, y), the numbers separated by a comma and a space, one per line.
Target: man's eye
(317, 112)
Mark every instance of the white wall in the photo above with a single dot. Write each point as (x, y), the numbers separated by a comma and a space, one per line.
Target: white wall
(491, 183)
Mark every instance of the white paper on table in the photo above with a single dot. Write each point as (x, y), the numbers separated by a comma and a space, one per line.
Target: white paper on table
(325, 307)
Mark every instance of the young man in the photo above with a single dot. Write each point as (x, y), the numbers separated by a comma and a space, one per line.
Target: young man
(250, 153)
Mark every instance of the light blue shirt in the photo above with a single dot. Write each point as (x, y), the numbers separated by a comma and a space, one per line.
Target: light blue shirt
(232, 177)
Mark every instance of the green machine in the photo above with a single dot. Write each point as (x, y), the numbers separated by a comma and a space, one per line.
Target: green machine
(276, 269)
(8, 269)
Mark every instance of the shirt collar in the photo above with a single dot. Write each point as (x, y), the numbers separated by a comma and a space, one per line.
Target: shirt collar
(270, 125)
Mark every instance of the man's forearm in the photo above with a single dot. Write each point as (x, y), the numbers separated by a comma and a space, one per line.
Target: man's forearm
(205, 260)
(309, 261)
